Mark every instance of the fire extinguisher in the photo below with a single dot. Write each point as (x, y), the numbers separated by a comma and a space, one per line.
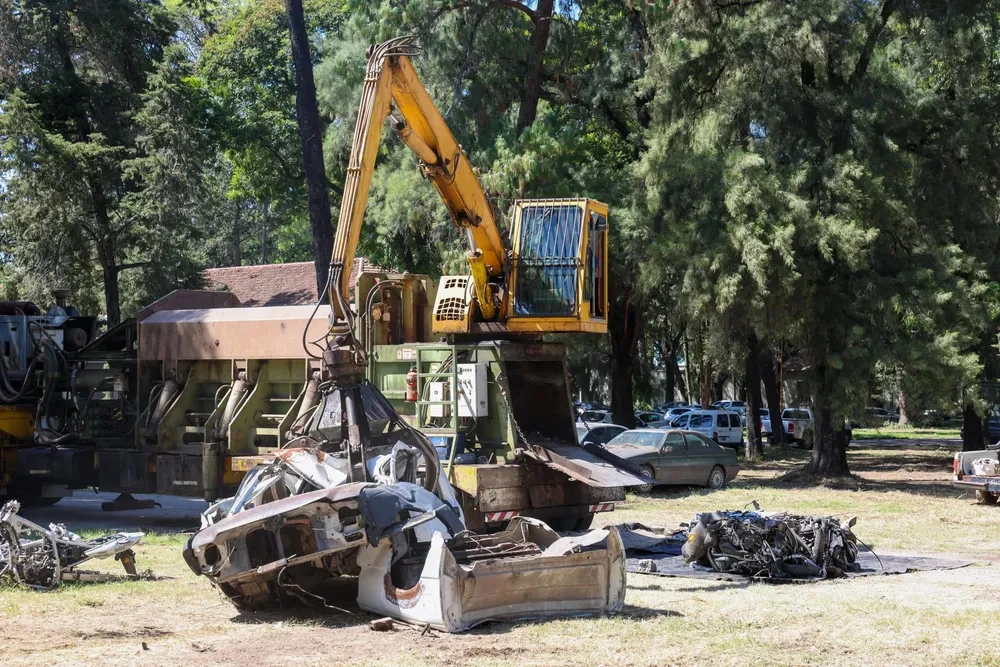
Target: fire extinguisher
(411, 385)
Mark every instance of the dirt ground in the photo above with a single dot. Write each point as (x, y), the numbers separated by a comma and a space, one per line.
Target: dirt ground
(900, 496)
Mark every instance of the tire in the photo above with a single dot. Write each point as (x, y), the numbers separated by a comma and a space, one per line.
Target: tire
(38, 501)
(986, 498)
(584, 522)
(647, 472)
(562, 524)
(716, 478)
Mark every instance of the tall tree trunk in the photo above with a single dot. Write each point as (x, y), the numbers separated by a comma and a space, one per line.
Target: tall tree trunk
(311, 135)
(237, 250)
(706, 381)
(669, 354)
(770, 381)
(719, 387)
(680, 383)
(829, 453)
(265, 228)
(973, 435)
(112, 298)
(542, 21)
(623, 330)
(904, 415)
(688, 388)
(755, 445)
(677, 378)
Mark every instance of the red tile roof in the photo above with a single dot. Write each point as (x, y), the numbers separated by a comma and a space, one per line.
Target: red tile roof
(275, 284)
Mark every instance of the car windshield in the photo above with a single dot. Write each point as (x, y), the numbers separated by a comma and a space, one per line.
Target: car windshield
(795, 414)
(592, 416)
(638, 438)
(764, 412)
(580, 432)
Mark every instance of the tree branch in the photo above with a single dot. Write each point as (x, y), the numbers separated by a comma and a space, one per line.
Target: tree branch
(517, 5)
(132, 265)
(874, 33)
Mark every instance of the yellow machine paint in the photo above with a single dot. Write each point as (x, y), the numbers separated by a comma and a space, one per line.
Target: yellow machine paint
(17, 429)
(17, 423)
(552, 279)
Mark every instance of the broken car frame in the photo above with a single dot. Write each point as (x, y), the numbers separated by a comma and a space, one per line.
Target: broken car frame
(43, 558)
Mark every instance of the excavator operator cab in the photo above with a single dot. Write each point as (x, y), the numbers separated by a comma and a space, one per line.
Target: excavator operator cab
(559, 280)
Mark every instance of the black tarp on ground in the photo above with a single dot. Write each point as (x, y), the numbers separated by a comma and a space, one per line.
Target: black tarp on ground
(674, 566)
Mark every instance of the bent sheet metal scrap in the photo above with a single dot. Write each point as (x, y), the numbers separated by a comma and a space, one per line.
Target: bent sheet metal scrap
(414, 559)
(526, 571)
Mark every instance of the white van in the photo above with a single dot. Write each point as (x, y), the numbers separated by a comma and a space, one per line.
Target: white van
(723, 426)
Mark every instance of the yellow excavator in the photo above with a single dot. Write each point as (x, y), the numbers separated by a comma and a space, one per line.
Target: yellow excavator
(476, 378)
(552, 279)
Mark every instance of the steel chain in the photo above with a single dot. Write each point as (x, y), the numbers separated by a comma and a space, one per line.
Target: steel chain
(510, 411)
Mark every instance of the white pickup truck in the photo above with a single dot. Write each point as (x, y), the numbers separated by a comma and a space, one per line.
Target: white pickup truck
(967, 476)
(798, 424)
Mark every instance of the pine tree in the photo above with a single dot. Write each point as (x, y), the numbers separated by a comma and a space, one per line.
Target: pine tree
(820, 169)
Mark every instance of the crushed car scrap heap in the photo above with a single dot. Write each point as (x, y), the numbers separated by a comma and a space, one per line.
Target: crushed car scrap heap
(778, 546)
(362, 494)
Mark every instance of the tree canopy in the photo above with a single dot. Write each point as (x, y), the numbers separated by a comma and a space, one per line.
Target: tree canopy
(814, 181)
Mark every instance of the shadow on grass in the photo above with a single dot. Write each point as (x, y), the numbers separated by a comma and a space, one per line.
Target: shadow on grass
(302, 615)
(713, 586)
(871, 468)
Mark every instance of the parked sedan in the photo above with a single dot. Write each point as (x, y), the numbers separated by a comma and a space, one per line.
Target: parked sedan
(650, 419)
(600, 434)
(595, 417)
(676, 457)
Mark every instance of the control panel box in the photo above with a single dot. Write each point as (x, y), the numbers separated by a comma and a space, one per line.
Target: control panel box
(472, 399)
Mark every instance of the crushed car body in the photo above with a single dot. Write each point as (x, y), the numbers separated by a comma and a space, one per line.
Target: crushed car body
(375, 503)
(42, 558)
(413, 558)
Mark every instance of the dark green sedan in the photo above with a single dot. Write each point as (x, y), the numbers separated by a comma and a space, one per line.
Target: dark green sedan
(676, 457)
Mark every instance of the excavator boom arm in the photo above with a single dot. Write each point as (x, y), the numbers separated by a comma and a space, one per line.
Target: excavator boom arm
(391, 77)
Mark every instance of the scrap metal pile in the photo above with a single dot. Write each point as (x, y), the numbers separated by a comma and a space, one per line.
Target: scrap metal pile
(361, 494)
(43, 558)
(778, 546)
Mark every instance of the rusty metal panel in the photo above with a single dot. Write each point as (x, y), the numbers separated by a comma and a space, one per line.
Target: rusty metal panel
(179, 475)
(186, 299)
(556, 495)
(230, 333)
(496, 500)
(581, 465)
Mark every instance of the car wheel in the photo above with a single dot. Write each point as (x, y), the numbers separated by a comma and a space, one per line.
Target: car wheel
(716, 478)
(647, 473)
(583, 523)
(986, 498)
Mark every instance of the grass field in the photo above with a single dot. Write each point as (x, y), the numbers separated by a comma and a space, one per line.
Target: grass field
(906, 433)
(900, 496)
